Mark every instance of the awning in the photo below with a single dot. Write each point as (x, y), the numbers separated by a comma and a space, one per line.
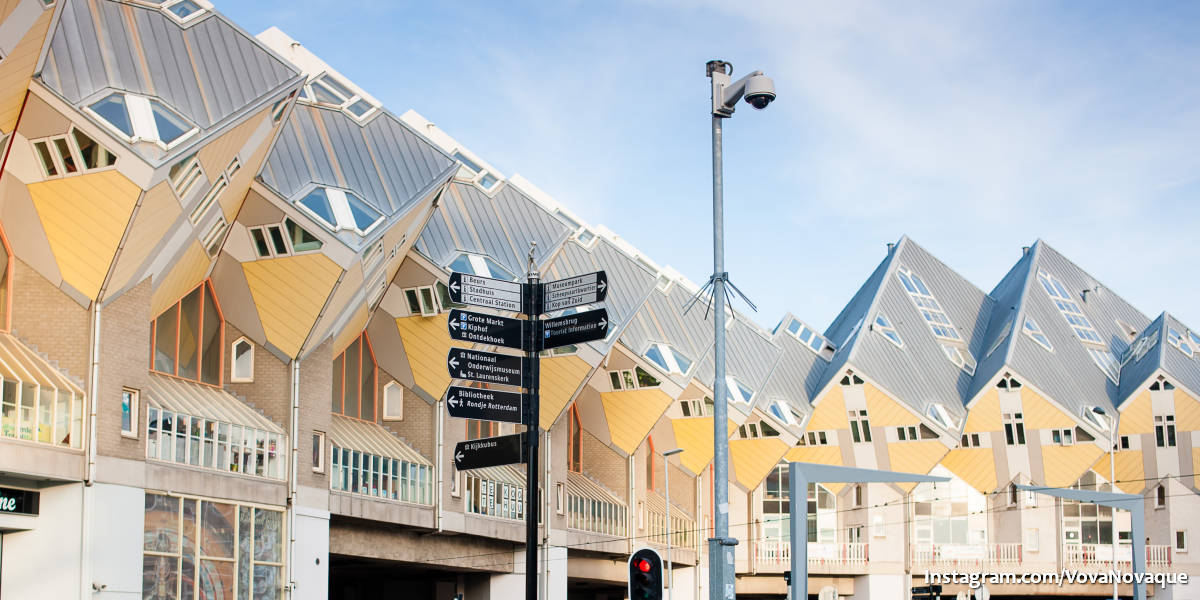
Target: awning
(510, 474)
(371, 438)
(199, 400)
(19, 363)
(579, 484)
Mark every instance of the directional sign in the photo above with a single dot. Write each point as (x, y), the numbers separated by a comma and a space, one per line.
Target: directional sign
(485, 405)
(487, 367)
(485, 291)
(488, 452)
(574, 329)
(486, 329)
(574, 291)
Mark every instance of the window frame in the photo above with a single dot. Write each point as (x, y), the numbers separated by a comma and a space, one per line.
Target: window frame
(392, 385)
(207, 288)
(319, 450)
(54, 152)
(1180, 535)
(1034, 331)
(365, 350)
(860, 426)
(141, 123)
(233, 356)
(434, 308)
(134, 412)
(883, 326)
(1014, 428)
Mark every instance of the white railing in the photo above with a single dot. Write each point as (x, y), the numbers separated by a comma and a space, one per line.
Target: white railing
(587, 514)
(774, 551)
(683, 530)
(1157, 556)
(966, 554)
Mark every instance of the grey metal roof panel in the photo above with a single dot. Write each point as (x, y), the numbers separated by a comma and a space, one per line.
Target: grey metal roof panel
(629, 282)
(750, 356)
(1177, 364)
(662, 319)
(1134, 373)
(525, 220)
(208, 71)
(489, 236)
(789, 380)
(1002, 324)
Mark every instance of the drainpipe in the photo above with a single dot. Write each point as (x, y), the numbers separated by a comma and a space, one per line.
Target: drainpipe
(85, 540)
(633, 505)
(439, 465)
(293, 479)
(546, 493)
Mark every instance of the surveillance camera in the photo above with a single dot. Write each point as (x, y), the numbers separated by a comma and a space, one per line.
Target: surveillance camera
(760, 91)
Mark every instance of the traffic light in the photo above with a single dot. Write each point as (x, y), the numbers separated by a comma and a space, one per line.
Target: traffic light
(645, 575)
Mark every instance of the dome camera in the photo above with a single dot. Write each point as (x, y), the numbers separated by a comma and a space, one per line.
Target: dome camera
(760, 91)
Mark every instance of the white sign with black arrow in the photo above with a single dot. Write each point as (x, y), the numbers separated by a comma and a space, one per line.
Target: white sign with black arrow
(574, 291)
(485, 291)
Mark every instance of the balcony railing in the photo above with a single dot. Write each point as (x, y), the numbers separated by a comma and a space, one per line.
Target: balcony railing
(596, 516)
(966, 554)
(1101, 555)
(779, 552)
(683, 528)
(495, 492)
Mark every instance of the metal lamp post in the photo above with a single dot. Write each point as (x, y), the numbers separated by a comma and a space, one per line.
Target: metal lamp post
(667, 481)
(1112, 482)
(759, 91)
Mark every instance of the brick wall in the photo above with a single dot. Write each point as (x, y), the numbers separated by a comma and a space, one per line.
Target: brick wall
(270, 391)
(316, 392)
(124, 363)
(417, 426)
(604, 465)
(51, 322)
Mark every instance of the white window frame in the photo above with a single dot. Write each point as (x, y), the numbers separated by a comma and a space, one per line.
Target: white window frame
(800, 329)
(820, 438)
(73, 149)
(190, 173)
(1177, 339)
(878, 530)
(309, 97)
(134, 412)
(1063, 436)
(736, 393)
(560, 498)
(426, 311)
(1175, 542)
(141, 119)
(788, 418)
(234, 377)
(202, 9)
(1032, 539)
(1033, 330)
(927, 305)
(392, 385)
(320, 466)
(480, 173)
(667, 351)
(883, 327)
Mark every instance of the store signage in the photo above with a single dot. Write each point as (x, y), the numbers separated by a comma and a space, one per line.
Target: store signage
(18, 502)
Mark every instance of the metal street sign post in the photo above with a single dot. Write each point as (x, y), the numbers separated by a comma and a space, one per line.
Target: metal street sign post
(484, 405)
(488, 452)
(492, 330)
(531, 335)
(486, 367)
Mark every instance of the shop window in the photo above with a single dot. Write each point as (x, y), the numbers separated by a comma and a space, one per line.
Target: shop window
(241, 368)
(393, 402)
(575, 441)
(187, 338)
(354, 380)
(199, 548)
(380, 476)
(72, 153)
(318, 452)
(860, 426)
(129, 412)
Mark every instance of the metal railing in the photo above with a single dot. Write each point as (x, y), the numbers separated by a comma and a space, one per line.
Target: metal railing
(967, 554)
(776, 551)
(683, 530)
(596, 516)
(1101, 555)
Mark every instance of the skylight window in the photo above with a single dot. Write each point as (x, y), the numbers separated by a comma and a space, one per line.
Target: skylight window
(486, 180)
(141, 119)
(183, 10)
(1107, 362)
(1035, 333)
(883, 327)
(340, 209)
(1177, 339)
(1004, 331)
(960, 357)
(938, 414)
(668, 358)
(782, 412)
(1069, 309)
(807, 335)
(1140, 347)
(927, 305)
(736, 391)
(480, 265)
(326, 90)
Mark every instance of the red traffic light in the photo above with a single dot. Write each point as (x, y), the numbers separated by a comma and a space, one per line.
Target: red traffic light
(643, 565)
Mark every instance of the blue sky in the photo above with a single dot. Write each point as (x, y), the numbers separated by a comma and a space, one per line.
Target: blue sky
(975, 128)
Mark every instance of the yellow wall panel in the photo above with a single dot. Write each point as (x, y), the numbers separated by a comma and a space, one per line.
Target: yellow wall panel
(184, 275)
(1136, 415)
(1064, 465)
(1187, 411)
(695, 436)
(915, 457)
(84, 217)
(829, 411)
(157, 212)
(1130, 476)
(753, 459)
(825, 455)
(1041, 414)
(1196, 467)
(886, 412)
(16, 70)
(289, 293)
(984, 415)
(976, 466)
(426, 342)
(631, 414)
(561, 376)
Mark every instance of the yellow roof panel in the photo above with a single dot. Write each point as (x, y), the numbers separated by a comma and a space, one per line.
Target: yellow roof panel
(976, 466)
(289, 293)
(426, 342)
(753, 459)
(915, 457)
(561, 377)
(1064, 465)
(631, 414)
(883, 411)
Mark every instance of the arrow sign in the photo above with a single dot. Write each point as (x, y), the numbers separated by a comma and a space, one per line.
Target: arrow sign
(485, 291)
(488, 452)
(485, 405)
(488, 367)
(486, 329)
(574, 329)
(574, 291)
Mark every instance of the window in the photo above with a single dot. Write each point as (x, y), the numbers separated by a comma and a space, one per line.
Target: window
(1107, 363)
(907, 433)
(877, 527)
(212, 444)
(1031, 539)
(183, 10)
(354, 380)
(1063, 437)
(478, 264)
(937, 413)
(187, 338)
(393, 402)
(129, 413)
(241, 367)
(1124, 443)
(696, 408)
(1181, 540)
(380, 476)
(140, 119)
(819, 438)
(960, 357)
(1008, 383)
(735, 391)
(883, 327)
(1014, 429)
(318, 452)
(575, 441)
(1180, 342)
(1014, 495)
(1004, 331)
(1070, 310)
(927, 305)
(560, 498)
(782, 412)
(183, 176)
(1160, 496)
(421, 301)
(756, 429)
(272, 241)
(860, 427)
(971, 440)
(669, 359)
(650, 478)
(1164, 431)
(1140, 347)
(482, 429)
(859, 495)
(196, 548)
(340, 210)
(326, 90)
(280, 107)
(1035, 333)
(851, 380)
(72, 153)
(808, 336)
(632, 379)
(487, 181)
